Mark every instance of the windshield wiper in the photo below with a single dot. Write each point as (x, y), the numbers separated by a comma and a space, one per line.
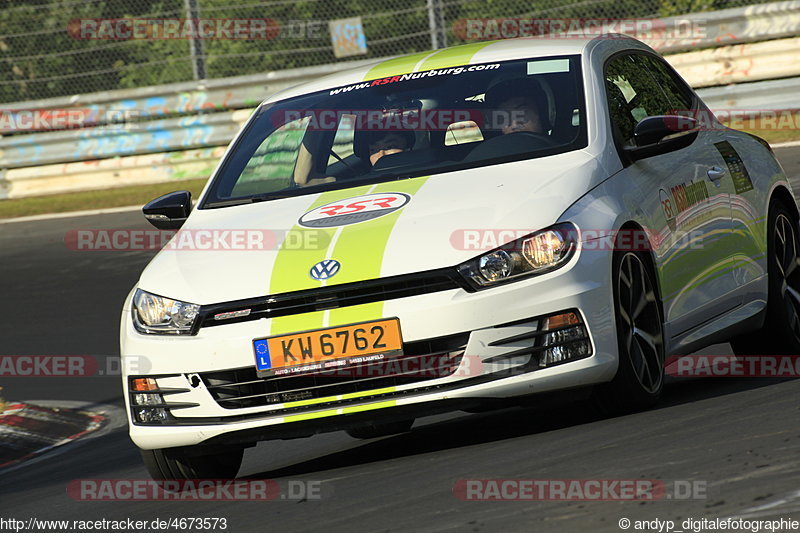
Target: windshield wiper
(234, 201)
(246, 200)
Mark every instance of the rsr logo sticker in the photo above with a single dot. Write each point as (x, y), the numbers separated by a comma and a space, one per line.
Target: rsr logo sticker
(354, 210)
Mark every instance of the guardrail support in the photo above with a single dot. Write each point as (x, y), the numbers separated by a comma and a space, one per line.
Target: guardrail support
(195, 44)
(436, 24)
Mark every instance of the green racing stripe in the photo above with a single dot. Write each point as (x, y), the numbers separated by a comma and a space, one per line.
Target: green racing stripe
(292, 264)
(449, 57)
(358, 247)
(396, 66)
(361, 253)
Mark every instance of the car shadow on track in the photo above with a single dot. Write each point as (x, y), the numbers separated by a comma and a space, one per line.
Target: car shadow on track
(503, 424)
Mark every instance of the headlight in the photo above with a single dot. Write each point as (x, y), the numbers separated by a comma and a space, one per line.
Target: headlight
(537, 253)
(162, 316)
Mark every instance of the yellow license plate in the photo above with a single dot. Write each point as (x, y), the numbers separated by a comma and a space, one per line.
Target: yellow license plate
(326, 349)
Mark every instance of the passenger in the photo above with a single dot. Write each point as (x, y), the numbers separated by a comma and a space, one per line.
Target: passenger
(520, 105)
(387, 143)
(378, 144)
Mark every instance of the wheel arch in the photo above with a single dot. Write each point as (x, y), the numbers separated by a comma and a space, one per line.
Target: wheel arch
(782, 194)
(648, 254)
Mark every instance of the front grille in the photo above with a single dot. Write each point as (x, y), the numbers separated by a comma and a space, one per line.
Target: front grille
(422, 361)
(344, 295)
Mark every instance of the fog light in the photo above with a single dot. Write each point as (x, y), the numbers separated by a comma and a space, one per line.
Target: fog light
(559, 354)
(565, 335)
(142, 395)
(566, 339)
(152, 415)
(146, 399)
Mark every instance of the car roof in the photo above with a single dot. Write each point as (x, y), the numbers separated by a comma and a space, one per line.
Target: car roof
(467, 54)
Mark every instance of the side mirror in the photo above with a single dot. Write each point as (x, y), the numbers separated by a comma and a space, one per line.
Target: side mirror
(169, 211)
(662, 134)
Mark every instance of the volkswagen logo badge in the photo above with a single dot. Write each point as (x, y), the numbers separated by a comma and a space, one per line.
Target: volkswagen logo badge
(325, 269)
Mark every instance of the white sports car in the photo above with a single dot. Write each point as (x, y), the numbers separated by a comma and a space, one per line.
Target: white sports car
(447, 229)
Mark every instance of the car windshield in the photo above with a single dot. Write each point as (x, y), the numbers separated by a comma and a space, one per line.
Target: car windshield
(403, 126)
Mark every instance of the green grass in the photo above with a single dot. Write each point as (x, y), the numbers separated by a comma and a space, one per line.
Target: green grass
(107, 198)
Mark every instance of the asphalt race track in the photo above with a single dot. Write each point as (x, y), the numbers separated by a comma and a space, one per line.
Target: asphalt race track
(740, 438)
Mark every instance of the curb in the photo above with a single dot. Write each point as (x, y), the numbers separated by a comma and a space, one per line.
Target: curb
(28, 430)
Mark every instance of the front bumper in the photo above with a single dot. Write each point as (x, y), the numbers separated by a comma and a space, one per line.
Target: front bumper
(183, 364)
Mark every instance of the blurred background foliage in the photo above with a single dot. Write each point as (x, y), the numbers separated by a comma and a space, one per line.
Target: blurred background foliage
(39, 58)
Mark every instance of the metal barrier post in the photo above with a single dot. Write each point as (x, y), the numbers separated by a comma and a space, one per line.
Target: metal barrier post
(195, 43)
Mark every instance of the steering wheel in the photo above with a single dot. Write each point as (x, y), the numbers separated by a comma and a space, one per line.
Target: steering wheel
(511, 144)
(539, 138)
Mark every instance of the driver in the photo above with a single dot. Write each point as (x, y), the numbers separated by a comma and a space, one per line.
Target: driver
(387, 143)
(519, 105)
(376, 144)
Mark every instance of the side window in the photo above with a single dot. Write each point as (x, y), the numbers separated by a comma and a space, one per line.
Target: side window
(667, 81)
(273, 160)
(633, 94)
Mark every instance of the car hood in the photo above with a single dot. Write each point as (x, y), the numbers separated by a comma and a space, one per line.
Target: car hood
(258, 249)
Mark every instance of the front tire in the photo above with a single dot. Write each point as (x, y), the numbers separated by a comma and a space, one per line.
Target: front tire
(780, 334)
(176, 463)
(639, 381)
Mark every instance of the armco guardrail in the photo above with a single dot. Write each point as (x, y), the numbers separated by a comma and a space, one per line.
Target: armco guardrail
(104, 173)
(739, 63)
(179, 130)
(199, 163)
(180, 133)
(701, 69)
(738, 25)
(772, 95)
(207, 96)
(705, 68)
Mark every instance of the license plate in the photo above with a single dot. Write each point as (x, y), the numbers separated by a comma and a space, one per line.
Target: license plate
(327, 349)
